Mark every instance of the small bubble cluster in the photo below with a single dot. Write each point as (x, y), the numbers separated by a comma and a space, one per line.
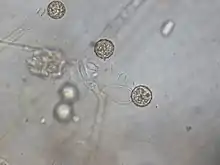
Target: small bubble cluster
(141, 96)
(56, 9)
(46, 63)
(104, 48)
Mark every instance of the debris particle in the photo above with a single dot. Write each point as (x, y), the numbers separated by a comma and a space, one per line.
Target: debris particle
(76, 119)
(56, 9)
(119, 76)
(82, 142)
(188, 128)
(41, 11)
(43, 120)
(167, 28)
(141, 96)
(104, 48)
(38, 10)
(44, 11)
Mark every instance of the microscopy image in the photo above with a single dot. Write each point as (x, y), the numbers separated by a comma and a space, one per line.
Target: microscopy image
(102, 82)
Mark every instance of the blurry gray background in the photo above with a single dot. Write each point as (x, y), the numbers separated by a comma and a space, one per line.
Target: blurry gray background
(181, 126)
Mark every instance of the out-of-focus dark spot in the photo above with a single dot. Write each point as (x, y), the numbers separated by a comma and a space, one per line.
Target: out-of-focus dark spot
(24, 79)
(92, 43)
(214, 40)
(188, 128)
(26, 120)
(8, 85)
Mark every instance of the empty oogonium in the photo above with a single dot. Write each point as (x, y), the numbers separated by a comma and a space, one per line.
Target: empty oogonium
(141, 96)
(69, 92)
(56, 9)
(63, 112)
(46, 63)
(104, 48)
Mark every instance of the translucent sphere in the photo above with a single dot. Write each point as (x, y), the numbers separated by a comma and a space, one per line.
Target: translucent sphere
(63, 112)
(69, 93)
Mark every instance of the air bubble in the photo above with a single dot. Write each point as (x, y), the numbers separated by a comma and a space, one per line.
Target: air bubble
(63, 112)
(69, 92)
(167, 28)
